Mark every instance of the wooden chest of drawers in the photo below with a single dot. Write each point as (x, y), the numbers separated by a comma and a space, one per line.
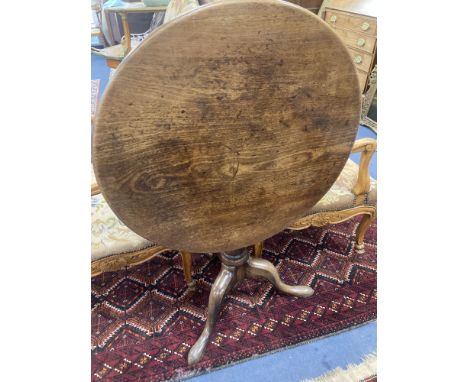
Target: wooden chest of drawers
(311, 5)
(353, 21)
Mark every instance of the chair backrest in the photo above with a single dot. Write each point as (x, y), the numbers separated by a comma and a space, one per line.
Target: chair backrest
(179, 7)
(226, 125)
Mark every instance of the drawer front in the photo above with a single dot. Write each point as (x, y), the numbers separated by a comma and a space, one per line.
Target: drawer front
(312, 5)
(357, 40)
(362, 61)
(362, 76)
(356, 23)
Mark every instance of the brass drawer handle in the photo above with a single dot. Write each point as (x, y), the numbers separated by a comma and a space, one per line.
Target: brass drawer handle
(357, 60)
(365, 26)
(333, 18)
(361, 42)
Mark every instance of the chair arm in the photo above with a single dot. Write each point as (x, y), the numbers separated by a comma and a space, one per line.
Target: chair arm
(95, 189)
(367, 147)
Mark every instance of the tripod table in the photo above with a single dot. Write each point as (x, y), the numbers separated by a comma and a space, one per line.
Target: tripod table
(224, 126)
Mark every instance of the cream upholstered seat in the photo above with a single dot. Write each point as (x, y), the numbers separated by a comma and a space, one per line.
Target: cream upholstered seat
(109, 236)
(341, 195)
(113, 244)
(177, 8)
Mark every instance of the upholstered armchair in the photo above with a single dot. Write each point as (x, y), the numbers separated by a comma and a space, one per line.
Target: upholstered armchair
(354, 193)
(114, 246)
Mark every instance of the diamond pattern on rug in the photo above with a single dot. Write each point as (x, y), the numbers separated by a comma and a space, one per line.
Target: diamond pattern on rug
(144, 319)
(125, 294)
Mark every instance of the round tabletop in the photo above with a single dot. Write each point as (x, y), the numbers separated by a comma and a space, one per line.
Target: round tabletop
(226, 124)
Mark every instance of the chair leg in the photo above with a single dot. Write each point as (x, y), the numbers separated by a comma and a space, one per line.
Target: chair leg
(187, 266)
(258, 249)
(362, 229)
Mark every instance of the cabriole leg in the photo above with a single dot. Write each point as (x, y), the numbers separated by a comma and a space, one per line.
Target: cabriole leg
(265, 269)
(222, 285)
(361, 231)
(235, 266)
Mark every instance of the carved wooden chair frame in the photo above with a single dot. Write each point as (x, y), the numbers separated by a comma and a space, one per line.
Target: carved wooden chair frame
(365, 146)
(116, 262)
(367, 101)
(120, 261)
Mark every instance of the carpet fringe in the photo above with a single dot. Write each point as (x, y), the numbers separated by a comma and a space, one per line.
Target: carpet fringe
(353, 373)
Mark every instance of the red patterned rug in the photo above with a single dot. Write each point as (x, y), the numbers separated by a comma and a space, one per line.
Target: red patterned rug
(144, 320)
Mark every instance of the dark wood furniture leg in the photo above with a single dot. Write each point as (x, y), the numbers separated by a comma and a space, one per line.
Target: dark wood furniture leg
(258, 249)
(235, 266)
(187, 267)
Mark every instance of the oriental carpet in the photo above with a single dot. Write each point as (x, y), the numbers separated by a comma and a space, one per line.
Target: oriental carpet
(144, 319)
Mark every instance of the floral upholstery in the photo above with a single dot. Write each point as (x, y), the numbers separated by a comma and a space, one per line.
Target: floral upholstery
(109, 236)
(178, 7)
(340, 196)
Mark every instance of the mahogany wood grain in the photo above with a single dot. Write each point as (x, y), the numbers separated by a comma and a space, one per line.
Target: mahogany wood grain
(226, 124)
